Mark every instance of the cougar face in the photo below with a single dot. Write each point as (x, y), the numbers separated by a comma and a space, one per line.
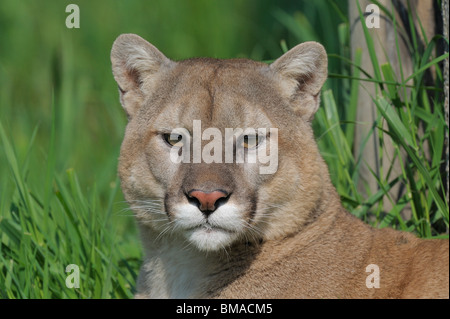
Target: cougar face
(229, 122)
(207, 203)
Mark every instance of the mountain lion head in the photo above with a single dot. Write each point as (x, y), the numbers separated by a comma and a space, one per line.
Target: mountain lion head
(218, 152)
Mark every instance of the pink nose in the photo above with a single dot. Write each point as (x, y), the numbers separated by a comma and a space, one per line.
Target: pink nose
(207, 201)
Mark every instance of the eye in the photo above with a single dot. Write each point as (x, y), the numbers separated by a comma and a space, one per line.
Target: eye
(173, 139)
(250, 141)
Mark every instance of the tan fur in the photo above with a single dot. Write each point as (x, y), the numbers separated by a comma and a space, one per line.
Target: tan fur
(287, 233)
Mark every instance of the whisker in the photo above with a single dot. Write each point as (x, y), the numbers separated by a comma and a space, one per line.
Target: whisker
(165, 230)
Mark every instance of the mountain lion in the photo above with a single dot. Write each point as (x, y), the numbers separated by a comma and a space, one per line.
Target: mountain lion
(213, 228)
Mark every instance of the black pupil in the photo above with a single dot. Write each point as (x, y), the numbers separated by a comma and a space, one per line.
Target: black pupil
(253, 139)
(173, 140)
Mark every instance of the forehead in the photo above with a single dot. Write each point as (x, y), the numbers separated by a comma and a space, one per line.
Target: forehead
(220, 93)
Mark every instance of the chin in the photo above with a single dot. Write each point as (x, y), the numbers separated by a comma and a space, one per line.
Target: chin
(211, 238)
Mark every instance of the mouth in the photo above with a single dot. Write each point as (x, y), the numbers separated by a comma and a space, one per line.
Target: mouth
(207, 237)
(208, 228)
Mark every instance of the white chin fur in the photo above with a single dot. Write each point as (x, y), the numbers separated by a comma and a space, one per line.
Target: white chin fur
(210, 239)
(216, 232)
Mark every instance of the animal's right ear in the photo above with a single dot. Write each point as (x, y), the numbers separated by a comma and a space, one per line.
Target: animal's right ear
(303, 70)
(135, 64)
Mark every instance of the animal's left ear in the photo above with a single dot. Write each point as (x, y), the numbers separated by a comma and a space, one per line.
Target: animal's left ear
(302, 72)
(136, 64)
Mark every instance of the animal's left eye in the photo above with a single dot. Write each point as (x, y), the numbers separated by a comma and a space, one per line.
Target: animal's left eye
(250, 141)
(173, 139)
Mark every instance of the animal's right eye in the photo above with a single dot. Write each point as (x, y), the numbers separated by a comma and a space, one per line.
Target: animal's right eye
(250, 141)
(173, 139)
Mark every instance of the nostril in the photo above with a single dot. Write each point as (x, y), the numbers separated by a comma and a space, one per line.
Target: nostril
(193, 201)
(221, 201)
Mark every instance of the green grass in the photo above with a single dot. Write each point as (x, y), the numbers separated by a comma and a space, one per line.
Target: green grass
(61, 126)
(49, 227)
(404, 108)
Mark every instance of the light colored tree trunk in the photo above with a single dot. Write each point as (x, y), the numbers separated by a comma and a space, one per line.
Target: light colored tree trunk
(384, 39)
